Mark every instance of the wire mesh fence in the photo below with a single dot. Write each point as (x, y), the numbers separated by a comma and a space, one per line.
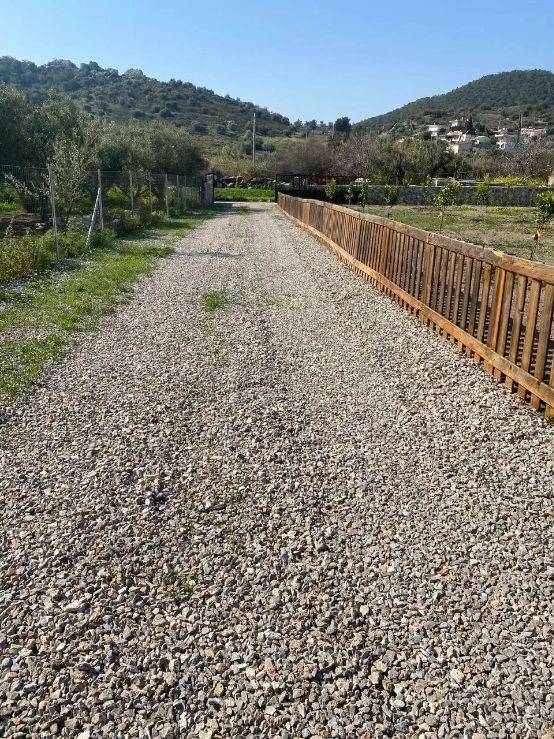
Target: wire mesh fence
(30, 196)
(50, 213)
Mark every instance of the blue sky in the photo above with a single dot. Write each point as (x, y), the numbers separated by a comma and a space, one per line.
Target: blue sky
(303, 58)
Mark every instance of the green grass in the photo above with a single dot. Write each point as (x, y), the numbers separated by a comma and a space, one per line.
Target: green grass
(507, 229)
(9, 206)
(43, 320)
(214, 300)
(254, 194)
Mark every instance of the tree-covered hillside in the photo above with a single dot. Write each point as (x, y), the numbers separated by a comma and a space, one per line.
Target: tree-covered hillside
(497, 99)
(132, 95)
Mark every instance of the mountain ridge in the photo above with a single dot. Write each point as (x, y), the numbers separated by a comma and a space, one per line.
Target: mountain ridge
(492, 99)
(132, 94)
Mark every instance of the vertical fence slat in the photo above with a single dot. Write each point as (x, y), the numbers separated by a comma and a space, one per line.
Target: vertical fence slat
(506, 305)
(496, 308)
(517, 323)
(530, 325)
(545, 323)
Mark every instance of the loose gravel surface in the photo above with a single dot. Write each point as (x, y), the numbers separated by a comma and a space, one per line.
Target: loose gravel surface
(303, 515)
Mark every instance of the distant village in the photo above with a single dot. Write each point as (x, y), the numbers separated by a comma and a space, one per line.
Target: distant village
(461, 136)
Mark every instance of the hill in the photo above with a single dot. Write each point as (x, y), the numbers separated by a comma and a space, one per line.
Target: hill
(491, 100)
(121, 97)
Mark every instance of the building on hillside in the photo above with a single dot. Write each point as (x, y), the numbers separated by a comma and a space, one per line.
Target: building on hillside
(461, 147)
(454, 135)
(482, 142)
(533, 133)
(437, 130)
(506, 141)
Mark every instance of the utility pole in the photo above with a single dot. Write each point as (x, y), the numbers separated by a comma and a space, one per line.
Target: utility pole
(254, 139)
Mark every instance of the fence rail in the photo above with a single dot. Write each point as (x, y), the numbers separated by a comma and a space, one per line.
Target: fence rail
(495, 307)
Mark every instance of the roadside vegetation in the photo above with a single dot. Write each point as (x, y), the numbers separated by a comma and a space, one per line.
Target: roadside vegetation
(214, 300)
(507, 229)
(42, 317)
(246, 194)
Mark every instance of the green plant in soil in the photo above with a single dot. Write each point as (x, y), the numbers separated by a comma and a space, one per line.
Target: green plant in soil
(448, 196)
(331, 190)
(214, 300)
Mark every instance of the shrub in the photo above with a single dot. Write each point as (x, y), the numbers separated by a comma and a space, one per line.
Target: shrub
(364, 193)
(125, 221)
(350, 194)
(390, 195)
(25, 255)
(483, 191)
(545, 207)
(331, 190)
(33, 254)
(448, 195)
(426, 197)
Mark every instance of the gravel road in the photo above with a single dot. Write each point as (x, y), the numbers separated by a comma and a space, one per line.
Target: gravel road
(301, 516)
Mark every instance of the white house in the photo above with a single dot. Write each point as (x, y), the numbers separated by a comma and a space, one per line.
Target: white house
(437, 129)
(506, 141)
(459, 147)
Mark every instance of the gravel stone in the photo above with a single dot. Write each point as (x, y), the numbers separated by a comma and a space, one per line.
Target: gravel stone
(302, 516)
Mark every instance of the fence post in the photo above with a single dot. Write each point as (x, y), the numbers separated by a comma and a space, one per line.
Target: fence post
(166, 200)
(185, 193)
(150, 191)
(131, 192)
(53, 208)
(100, 208)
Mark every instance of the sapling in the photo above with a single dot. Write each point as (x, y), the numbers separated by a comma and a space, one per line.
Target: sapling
(544, 207)
(364, 193)
(331, 189)
(483, 193)
(350, 194)
(390, 195)
(448, 195)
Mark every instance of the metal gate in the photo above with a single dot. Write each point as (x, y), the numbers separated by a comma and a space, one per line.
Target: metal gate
(208, 190)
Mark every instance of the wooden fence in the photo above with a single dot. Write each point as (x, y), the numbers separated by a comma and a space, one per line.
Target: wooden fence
(495, 307)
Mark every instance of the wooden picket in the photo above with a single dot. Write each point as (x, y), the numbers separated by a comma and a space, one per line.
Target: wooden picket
(496, 308)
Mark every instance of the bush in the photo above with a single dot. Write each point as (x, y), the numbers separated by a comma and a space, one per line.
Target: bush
(448, 195)
(25, 255)
(331, 190)
(364, 193)
(124, 221)
(10, 206)
(30, 255)
(483, 191)
(390, 194)
(545, 208)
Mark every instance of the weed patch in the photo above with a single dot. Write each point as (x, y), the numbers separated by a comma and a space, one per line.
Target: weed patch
(180, 583)
(214, 300)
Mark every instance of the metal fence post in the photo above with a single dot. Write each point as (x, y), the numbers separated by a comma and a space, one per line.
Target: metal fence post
(131, 192)
(185, 194)
(100, 209)
(166, 200)
(150, 191)
(53, 207)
